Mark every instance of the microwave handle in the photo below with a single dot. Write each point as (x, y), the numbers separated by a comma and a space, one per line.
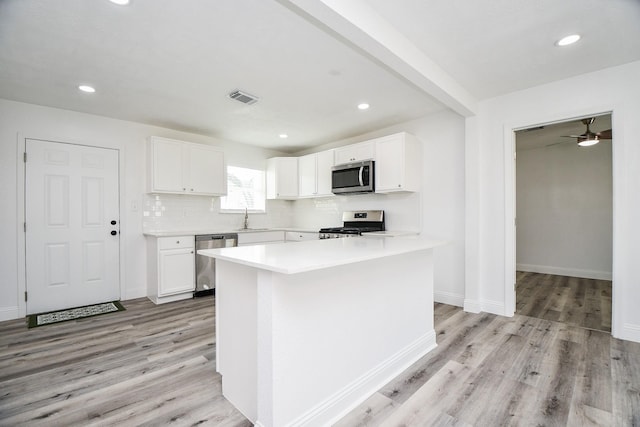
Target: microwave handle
(360, 176)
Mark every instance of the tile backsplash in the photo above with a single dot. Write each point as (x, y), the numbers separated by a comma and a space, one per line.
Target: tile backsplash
(163, 212)
(183, 212)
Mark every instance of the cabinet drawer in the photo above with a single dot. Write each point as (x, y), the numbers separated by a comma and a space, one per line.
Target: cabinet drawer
(177, 242)
(250, 238)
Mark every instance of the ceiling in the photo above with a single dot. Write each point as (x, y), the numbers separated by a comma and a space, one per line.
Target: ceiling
(310, 62)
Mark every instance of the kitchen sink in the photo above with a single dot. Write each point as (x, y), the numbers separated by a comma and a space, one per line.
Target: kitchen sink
(252, 229)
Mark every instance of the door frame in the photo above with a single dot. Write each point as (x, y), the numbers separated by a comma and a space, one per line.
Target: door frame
(509, 147)
(21, 214)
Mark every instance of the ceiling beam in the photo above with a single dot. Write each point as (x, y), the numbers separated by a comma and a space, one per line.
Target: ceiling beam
(355, 23)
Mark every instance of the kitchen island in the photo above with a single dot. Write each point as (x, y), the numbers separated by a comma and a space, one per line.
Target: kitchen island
(307, 331)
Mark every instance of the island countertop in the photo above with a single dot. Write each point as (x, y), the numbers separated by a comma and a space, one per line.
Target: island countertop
(299, 257)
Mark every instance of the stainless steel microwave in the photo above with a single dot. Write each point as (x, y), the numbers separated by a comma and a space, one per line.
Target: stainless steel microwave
(353, 178)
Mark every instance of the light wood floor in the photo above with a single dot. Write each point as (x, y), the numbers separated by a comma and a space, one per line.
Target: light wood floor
(155, 365)
(571, 300)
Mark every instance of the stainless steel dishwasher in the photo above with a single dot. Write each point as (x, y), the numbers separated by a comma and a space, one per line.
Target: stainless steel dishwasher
(206, 266)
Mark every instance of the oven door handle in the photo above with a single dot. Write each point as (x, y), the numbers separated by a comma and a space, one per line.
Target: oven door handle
(360, 176)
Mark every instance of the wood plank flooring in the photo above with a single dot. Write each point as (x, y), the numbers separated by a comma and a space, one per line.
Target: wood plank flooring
(572, 300)
(155, 365)
(149, 365)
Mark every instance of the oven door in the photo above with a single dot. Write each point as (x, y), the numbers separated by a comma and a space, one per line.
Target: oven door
(353, 178)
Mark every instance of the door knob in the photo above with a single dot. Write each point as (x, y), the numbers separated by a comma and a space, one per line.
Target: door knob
(114, 232)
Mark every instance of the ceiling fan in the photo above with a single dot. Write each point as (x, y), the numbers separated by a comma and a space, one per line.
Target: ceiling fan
(590, 138)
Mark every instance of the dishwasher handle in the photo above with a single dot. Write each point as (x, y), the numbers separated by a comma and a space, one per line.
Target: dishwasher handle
(206, 237)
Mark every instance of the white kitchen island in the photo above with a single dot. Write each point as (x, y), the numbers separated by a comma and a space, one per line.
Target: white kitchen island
(306, 331)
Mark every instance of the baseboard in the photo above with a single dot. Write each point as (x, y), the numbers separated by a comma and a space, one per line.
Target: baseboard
(630, 332)
(561, 271)
(448, 298)
(472, 306)
(487, 306)
(135, 293)
(9, 313)
(349, 397)
(493, 307)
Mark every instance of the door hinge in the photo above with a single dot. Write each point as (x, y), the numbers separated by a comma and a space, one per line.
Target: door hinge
(25, 227)
(24, 157)
(25, 296)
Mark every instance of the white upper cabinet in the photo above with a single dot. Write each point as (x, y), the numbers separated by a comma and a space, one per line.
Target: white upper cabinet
(185, 168)
(398, 160)
(314, 173)
(282, 178)
(354, 153)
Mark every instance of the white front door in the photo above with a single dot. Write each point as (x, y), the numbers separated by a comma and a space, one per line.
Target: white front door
(72, 225)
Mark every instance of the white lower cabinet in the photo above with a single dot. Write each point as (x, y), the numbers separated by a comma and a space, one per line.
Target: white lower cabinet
(300, 236)
(260, 237)
(171, 268)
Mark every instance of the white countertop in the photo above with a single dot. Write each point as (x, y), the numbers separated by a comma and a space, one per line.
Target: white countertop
(195, 232)
(299, 257)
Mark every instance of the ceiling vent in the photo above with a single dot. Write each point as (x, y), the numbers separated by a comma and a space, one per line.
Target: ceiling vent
(243, 97)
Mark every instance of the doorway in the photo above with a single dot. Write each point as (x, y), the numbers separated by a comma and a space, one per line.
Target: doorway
(71, 210)
(564, 232)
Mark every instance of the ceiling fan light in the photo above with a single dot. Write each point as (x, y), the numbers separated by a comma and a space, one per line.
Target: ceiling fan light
(566, 41)
(588, 142)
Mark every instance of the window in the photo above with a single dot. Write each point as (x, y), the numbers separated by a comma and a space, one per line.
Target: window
(245, 190)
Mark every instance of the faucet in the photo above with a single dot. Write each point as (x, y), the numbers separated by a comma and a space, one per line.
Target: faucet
(246, 219)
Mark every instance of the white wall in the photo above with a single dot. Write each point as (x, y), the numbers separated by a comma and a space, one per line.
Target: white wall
(564, 210)
(438, 210)
(31, 121)
(490, 185)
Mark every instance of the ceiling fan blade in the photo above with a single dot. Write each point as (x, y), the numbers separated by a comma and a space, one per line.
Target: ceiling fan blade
(557, 143)
(605, 134)
(573, 136)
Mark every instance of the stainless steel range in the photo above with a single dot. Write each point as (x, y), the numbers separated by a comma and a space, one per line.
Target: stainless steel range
(354, 224)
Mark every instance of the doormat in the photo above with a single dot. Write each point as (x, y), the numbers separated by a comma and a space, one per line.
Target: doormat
(35, 320)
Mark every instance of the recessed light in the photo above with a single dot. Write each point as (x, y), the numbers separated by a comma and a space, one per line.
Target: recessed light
(86, 88)
(284, 136)
(566, 41)
(363, 106)
(120, 2)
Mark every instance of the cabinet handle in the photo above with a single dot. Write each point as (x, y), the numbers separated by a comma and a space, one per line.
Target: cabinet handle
(192, 189)
(191, 251)
(177, 242)
(114, 232)
(184, 189)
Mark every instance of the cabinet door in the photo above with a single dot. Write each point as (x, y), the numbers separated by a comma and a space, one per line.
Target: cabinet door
(389, 164)
(260, 237)
(354, 153)
(176, 271)
(166, 166)
(398, 163)
(324, 163)
(300, 236)
(282, 178)
(206, 170)
(307, 176)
